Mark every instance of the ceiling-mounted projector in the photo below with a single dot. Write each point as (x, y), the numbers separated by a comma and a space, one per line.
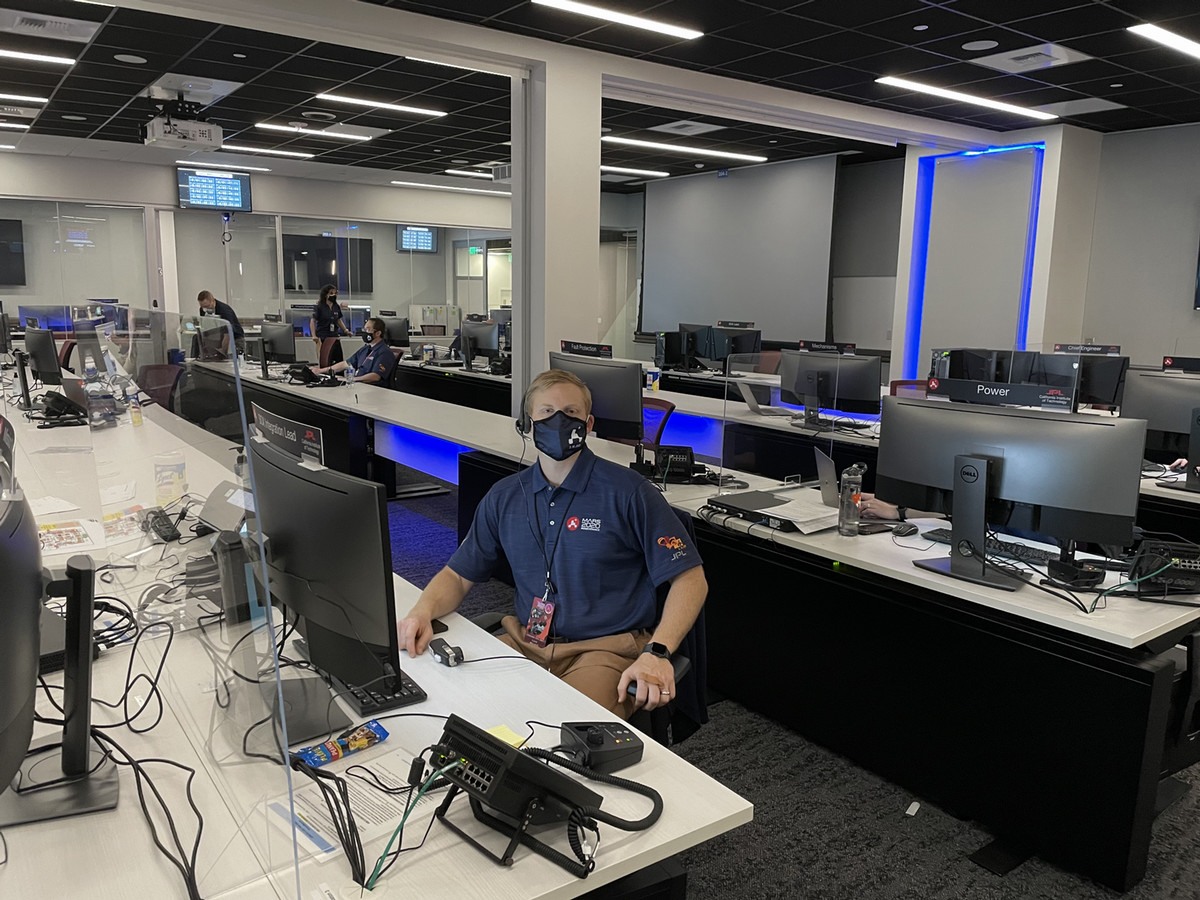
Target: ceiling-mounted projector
(181, 134)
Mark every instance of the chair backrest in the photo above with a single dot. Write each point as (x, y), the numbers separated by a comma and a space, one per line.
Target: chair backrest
(64, 354)
(768, 362)
(159, 381)
(916, 389)
(655, 412)
(327, 345)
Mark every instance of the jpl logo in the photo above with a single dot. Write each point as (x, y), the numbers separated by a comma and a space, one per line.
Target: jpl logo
(933, 384)
(573, 523)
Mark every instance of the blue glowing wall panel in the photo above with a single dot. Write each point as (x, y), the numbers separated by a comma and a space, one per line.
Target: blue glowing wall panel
(419, 451)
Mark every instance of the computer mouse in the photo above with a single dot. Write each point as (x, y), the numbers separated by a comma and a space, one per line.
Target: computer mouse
(904, 529)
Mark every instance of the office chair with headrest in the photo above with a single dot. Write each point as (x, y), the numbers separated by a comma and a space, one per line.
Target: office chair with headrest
(655, 412)
(159, 381)
(64, 354)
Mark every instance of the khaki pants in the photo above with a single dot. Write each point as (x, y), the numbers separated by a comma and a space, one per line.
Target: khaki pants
(593, 667)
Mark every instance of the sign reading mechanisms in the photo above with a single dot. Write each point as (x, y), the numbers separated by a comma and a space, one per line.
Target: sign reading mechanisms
(305, 442)
(828, 347)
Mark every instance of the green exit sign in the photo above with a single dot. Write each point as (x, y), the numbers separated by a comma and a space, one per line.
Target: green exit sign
(474, 250)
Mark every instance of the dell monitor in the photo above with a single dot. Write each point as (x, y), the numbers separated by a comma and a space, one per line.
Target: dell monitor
(396, 331)
(1067, 476)
(1169, 402)
(330, 564)
(43, 355)
(616, 393)
(848, 384)
(278, 345)
(479, 339)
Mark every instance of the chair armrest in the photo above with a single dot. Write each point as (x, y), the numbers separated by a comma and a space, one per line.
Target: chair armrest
(489, 621)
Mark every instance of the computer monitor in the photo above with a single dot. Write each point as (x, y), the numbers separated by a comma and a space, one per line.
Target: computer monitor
(1169, 402)
(213, 338)
(616, 393)
(279, 342)
(299, 316)
(396, 331)
(1095, 380)
(847, 384)
(330, 564)
(5, 340)
(43, 355)
(675, 350)
(20, 610)
(272, 317)
(87, 343)
(1069, 477)
(728, 341)
(703, 337)
(501, 316)
(356, 317)
(479, 339)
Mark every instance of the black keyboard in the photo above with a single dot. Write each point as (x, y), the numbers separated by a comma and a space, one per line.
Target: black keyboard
(368, 701)
(1019, 552)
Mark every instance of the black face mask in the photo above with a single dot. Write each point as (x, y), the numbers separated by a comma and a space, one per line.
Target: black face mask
(368, 338)
(559, 436)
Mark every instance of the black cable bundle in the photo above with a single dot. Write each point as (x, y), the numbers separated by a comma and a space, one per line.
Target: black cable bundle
(337, 800)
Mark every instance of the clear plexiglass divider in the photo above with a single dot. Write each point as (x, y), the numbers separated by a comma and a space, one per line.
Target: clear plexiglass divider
(152, 486)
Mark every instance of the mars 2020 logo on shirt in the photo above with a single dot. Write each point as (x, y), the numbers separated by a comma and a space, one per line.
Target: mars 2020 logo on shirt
(575, 523)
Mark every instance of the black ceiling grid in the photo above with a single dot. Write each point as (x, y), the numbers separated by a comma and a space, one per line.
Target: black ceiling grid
(832, 48)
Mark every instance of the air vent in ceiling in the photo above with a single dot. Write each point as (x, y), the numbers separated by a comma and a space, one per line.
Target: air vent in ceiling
(56, 27)
(1030, 59)
(19, 112)
(502, 174)
(1080, 107)
(687, 128)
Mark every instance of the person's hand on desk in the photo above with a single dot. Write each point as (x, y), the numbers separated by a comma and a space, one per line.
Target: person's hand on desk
(415, 631)
(655, 679)
(872, 507)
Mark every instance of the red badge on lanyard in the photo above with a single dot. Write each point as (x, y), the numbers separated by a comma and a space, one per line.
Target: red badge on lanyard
(537, 631)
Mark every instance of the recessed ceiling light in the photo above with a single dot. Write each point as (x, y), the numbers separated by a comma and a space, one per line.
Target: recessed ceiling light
(21, 98)
(621, 170)
(37, 57)
(14, 126)
(320, 116)
(239, 56)
(680, 148)
(980, 45)
(8, 146)
(920, 28)
(205, 164)
(963, 98)
(74, 118)
(342, 135)
(772, 142)
(437, 151)
(471, 174)
(375, 104)
(237, 148)
(130, 58)
(608, 15)
(438, 62)
(461, 162)
(1167, 39)
(446, 187)
(1117, 84)
(699, 165)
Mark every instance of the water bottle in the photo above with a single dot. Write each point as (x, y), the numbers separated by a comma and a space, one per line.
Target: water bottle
(851, 493)
(349, 377)
(99, 400)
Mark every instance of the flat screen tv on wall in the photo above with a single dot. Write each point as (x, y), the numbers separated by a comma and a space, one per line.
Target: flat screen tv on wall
(12, 253)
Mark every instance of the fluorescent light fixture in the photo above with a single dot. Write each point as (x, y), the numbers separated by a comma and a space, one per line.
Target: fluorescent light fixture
(21, 98)
(374, 104)
(963, 98)
(621, 170)
(487, 175)
(37, 57)
(313, 132)
(1167, 39)
(295, 154)
(608, 15)
(14, 126)
(680, 148)
(8, 146)
(446, 187)
(200, 164)
(438, 62)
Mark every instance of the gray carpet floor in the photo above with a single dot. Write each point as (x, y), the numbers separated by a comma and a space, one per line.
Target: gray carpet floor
(823, 827)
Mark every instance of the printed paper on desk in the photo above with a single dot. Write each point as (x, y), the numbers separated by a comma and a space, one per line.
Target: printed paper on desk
(807, 515)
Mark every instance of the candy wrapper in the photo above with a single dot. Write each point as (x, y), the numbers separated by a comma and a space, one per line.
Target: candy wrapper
(349, 741)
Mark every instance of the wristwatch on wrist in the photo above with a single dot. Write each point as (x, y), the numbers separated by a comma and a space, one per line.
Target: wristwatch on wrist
(902, 513)
(656, 649)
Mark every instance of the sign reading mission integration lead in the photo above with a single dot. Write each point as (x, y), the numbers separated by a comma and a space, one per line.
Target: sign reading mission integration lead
(305, 442)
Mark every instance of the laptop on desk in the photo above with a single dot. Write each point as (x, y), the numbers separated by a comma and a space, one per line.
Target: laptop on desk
(748, 396)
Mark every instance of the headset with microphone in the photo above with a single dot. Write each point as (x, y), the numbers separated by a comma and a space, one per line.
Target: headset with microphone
(524, 422)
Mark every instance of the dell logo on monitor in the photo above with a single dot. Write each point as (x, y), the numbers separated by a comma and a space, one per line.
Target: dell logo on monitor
(969, 474)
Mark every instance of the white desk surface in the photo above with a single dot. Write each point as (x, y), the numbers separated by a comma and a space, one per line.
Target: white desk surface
(1150, 489)
(110, 855)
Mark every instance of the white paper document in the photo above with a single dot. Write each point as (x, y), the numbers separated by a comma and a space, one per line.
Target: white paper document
(808, 513)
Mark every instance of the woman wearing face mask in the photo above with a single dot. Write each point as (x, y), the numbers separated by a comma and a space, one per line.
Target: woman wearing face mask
(589, 541)
(373, 363)
(327, 322)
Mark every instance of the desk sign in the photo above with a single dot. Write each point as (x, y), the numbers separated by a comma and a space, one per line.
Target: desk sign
(827, 347)
(600, 351)
(1089, 349)
(305, 442)
(998, 393)
(1181, 364)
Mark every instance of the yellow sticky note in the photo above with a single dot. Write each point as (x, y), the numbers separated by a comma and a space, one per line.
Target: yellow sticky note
(506, 734)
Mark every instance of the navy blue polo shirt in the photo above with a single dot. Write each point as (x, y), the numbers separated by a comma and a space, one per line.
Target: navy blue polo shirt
(327, 317)
(609, 534)
(378, 359)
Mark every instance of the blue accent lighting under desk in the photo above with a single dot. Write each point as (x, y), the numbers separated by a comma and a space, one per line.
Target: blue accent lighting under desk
(701, 433)
(417, 450)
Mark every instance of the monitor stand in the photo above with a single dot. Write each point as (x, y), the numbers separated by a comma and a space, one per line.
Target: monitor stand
(1192, 482)
(25, 404)
(972, 475)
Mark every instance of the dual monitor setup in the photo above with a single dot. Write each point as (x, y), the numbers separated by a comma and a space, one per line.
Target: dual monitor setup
(1091, 380)
(694, 348)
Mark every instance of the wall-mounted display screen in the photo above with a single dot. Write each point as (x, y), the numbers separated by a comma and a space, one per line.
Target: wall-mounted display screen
(209, 189)
(12, 252)
(417, 238)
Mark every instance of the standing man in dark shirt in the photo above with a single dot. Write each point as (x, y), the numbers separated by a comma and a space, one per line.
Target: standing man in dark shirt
(373, 363)
(327, 322)
(211, 306)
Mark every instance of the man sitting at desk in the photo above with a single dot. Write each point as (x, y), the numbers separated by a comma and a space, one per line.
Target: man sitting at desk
(211, 306)
(373, 363)
(588, 541)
